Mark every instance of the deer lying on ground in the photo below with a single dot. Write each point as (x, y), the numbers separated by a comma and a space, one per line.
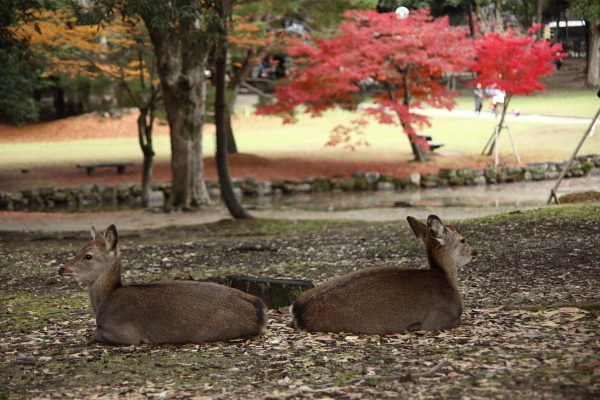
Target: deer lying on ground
(390, 299)
(159, 312)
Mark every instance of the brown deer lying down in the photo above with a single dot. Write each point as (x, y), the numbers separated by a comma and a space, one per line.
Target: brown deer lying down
(159, 312)
(391, 299)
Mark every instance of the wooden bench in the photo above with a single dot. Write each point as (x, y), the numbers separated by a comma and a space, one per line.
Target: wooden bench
(433, 145)
(120, 166)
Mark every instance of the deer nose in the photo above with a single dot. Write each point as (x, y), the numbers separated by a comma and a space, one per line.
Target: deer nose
(474, 254)
(61, 270)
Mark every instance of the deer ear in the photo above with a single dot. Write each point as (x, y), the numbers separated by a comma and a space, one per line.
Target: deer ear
(96, 235)
(111, 238)
(436, 228)
(419, 228)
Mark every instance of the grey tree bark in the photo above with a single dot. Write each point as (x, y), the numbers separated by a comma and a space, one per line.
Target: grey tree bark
(181, 61)
(592, 78)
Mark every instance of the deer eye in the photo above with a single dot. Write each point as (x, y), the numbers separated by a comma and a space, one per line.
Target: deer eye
(88, 257)
(463, 241)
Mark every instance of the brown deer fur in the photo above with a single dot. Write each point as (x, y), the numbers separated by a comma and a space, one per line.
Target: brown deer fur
(391, 299)
(159, 312)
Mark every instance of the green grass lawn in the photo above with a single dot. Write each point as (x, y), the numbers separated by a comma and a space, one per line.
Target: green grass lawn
(266, 136)
(576, 103)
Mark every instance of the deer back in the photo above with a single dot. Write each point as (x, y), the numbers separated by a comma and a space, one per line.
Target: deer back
(179, 312)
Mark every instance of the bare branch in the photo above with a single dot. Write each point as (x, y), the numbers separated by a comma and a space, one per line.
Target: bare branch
(256, 91)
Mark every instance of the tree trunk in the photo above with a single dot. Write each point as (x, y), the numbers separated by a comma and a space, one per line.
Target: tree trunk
(498, 15)
(500, 124)
(232, 202)
(237, 77)
(199, 192)
(145, 124)
(481, 22)
(231, 145)
(592, 78)
(419, 153)
(538, 17)
(181, 63)
(470, 17)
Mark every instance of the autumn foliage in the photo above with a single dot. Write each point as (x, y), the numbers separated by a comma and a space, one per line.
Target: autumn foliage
(72, 49)
(515, 63)
(400, 60)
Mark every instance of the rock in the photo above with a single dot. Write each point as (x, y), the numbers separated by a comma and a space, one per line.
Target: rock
(491, 175)
(51, 281)
(47, 191)
(109, 194)
(467, 173)
(480, 180)
(389, 178)
(457, 180)
(372, 178)
(275, 293)
(429, 180)
(157, 197)
(304, 188)
(347, 184)
(320, 185)
(264, 189)
(361, 184)
(594, 172)
(214, 192)
(447, 173)
(415, 179)
(385, 186)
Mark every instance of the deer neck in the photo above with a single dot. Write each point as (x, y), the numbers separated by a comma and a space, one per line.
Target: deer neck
(449, 268)
(102, 287)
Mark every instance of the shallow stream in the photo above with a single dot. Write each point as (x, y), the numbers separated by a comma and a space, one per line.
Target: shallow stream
(518, 194)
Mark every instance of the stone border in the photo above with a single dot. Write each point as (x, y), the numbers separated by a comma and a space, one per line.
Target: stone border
(129, 193)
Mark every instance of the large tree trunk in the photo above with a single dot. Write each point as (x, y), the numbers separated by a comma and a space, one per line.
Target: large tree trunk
(592, 78)
(197, 63)
(181, 64)
(481, 22)
(232, 202)
(538, 17)
(498, 15)
(418, 151)
(145, 124)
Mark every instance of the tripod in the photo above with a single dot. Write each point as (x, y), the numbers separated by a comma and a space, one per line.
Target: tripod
(492, 143)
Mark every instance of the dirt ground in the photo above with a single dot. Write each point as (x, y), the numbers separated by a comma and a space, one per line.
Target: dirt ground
(530, 329)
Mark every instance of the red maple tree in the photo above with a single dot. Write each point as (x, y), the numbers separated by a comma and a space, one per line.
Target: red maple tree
(401, 60)
(514, 63)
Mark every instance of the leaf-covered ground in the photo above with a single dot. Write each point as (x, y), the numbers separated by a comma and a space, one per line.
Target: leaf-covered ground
(530, 329)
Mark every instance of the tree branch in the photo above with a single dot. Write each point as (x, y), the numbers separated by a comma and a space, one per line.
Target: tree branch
(256, 91)
(401, 377)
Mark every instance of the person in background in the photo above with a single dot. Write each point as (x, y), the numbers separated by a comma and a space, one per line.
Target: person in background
(479, 96)
(498, 101)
